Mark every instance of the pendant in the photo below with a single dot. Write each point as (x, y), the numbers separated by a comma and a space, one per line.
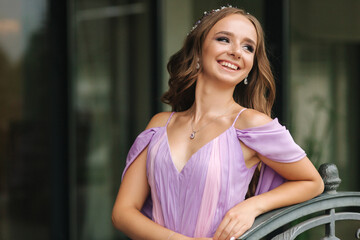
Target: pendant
(192, 135)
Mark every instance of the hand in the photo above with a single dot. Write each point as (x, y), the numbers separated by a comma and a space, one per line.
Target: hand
(191, 238)
(236, 221)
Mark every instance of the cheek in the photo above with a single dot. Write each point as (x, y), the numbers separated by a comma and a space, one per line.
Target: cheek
(249, 61)
(205, 55)
(208, 56)
(214, 49)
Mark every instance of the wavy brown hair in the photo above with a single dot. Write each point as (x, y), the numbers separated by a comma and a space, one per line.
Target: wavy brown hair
(259, 94)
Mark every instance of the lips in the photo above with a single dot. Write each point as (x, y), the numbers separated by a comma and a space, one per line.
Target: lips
(229, 65)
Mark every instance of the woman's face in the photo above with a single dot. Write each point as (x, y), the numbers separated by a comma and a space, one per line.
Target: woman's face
(229, 49)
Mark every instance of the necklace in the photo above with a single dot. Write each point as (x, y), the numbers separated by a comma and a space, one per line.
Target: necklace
(192, 135)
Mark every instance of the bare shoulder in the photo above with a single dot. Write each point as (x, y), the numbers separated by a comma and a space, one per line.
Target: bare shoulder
(159, 120)
(251, 118)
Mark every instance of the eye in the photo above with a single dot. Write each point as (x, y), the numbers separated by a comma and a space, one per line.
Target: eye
(249, 48)
(223, 39)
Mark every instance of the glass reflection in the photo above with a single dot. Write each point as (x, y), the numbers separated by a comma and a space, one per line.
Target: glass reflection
(25, 189)
(111, 104)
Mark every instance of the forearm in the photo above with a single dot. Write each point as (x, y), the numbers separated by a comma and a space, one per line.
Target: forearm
(138, 227)
(288, 193)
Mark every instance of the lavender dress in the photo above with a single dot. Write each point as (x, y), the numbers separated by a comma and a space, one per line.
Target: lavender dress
(194, 201)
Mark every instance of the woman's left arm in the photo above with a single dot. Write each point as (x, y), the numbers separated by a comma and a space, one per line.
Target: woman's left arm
(303, 183)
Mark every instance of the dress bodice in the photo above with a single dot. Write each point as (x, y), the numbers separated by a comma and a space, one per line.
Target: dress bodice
(194, 201)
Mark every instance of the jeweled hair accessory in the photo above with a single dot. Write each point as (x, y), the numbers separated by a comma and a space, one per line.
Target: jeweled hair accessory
(207, 13)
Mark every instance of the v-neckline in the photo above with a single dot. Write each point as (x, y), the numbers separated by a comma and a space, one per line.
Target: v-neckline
(193, 154)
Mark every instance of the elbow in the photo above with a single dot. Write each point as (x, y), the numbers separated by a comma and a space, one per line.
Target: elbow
(120, 218)
(116, 219)
(319, 186)
(322, 187)
(113, 219)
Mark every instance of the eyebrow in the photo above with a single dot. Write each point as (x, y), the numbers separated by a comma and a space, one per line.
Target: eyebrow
(232, 35)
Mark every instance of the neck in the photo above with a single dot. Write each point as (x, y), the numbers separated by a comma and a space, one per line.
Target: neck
(212, 101)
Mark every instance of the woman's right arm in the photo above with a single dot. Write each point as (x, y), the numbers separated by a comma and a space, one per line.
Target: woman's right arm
(126, 215)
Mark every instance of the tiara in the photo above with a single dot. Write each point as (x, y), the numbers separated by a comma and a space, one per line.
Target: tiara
(207, 13)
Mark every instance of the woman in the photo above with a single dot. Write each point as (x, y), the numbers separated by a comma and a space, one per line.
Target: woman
(188, 173)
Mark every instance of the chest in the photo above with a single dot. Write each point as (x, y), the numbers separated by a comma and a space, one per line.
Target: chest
(184, 144)
(184, 148)
(224, 149)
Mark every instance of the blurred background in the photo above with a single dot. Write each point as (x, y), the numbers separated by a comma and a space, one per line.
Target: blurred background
(80, 79)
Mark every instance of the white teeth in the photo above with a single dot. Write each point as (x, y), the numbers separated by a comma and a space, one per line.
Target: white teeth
(227, 64)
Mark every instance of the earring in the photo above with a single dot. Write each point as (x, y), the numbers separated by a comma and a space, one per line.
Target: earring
(197, 64)
(246, 81)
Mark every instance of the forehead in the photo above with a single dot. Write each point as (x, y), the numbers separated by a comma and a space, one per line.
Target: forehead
(237, 24)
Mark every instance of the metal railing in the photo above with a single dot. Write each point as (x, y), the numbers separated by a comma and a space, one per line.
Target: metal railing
(328, 208)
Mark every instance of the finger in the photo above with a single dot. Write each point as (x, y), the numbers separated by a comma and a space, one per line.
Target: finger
(240, 232)
(226, 232)
(235, 230)
(220, 228)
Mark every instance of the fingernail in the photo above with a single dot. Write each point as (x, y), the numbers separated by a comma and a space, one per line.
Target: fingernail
(232, 238)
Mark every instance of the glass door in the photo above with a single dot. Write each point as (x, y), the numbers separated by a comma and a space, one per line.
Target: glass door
(112, 100)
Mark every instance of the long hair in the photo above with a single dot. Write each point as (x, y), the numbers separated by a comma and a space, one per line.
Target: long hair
(259, 94)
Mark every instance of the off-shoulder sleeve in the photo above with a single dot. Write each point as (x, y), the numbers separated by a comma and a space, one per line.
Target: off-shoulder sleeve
(140, 143)
(273, 141)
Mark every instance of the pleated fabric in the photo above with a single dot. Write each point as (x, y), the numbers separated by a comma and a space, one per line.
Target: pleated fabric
(194, 201)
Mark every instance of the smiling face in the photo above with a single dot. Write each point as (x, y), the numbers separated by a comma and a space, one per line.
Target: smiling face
(229, 49)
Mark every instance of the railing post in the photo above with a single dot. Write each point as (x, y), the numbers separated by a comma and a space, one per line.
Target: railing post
(330, 176)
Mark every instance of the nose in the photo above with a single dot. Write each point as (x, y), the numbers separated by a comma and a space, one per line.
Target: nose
(235, 51)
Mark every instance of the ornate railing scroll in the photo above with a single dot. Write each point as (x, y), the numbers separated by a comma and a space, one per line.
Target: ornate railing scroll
(327, 202)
